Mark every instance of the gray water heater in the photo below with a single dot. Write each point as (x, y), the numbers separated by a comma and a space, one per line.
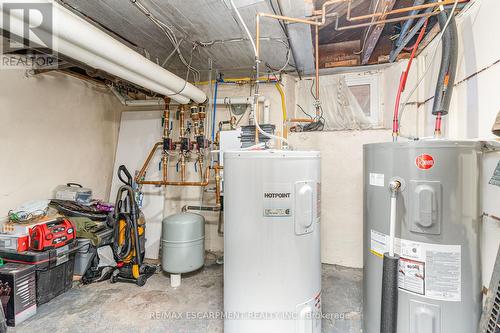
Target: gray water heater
(437, 234)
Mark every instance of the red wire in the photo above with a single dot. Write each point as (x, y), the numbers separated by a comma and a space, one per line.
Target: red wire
(437, 128)
(402, 81)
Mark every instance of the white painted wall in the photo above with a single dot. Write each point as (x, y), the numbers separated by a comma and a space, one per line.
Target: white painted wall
(341, 190)
(139, 131)
(54, 129)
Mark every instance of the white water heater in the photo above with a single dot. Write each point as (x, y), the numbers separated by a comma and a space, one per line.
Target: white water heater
(272, 264)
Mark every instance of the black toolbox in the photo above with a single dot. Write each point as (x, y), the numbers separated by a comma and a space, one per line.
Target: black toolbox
(53, 269)
(17, 292)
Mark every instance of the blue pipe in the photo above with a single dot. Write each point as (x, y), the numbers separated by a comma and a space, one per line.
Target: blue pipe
(215, 110)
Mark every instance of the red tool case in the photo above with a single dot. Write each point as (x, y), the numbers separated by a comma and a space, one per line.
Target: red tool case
(51, 235)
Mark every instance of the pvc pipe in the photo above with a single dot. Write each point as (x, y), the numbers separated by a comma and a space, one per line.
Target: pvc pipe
(17, 26)
(394, 187)
(215, 110)
(175, 280)
(71, 34)
(392, 230)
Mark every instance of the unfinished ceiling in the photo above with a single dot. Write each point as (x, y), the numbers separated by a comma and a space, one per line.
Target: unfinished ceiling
(210, 38)
(208, 26)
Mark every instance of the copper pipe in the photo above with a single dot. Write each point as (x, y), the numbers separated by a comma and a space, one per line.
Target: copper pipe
(175, 183)
(314, 22)
(200, 162)
(140, 175)
(396, 19)
(256, 119)
(139, 179)
(300, 120)
(183, 168)
(316, 27)
(164, 163)
(166, 116)
(217, 184)
(182, 110)
(399, 10)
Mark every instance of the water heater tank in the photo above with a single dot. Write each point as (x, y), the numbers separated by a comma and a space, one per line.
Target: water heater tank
(272, 265)
(183, 243)
(437, 234)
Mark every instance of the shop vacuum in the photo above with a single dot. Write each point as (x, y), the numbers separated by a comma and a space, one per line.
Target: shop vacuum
(129, 235)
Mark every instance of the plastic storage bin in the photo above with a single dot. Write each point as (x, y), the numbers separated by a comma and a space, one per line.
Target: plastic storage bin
(87, 252)
(74, 192)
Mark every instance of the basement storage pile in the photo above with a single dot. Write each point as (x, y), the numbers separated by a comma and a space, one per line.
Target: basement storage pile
(250, 166)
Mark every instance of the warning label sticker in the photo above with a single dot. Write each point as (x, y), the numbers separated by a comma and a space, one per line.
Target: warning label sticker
(429, 270)
(411, 275)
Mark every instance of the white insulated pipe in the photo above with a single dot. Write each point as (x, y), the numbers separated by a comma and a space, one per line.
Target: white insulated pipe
(392, 225)
(394, 187)
(80, 40)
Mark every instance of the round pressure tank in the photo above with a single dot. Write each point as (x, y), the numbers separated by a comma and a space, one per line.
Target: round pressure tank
(272, 264)
(183, 243)
(437, 234)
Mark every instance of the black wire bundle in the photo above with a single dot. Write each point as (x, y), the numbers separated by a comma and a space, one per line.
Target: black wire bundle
(74, 209)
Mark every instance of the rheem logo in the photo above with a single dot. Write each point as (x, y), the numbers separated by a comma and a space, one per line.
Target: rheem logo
(424, 161)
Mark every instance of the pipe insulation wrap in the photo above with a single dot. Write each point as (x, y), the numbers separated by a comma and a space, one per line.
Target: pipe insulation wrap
(71, 34)
(448, 68)
(389, 305)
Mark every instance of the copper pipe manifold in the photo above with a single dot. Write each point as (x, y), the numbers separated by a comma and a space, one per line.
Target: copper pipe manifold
(139, 179)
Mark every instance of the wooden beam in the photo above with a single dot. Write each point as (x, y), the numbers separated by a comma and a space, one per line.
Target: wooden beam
(339, 54)
(374, 35)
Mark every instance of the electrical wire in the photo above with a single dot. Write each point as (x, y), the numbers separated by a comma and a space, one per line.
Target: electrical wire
(434, 52)
(304, 112)
(244, 26)
(168, 31)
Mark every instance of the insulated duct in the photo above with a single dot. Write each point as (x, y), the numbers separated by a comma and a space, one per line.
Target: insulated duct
(80, 40)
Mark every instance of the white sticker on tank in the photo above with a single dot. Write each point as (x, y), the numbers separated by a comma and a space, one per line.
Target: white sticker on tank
(411, 275)
(430, 270)
(376, 179)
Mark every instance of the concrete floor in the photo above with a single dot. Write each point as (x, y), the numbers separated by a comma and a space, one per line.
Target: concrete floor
(122, 307)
